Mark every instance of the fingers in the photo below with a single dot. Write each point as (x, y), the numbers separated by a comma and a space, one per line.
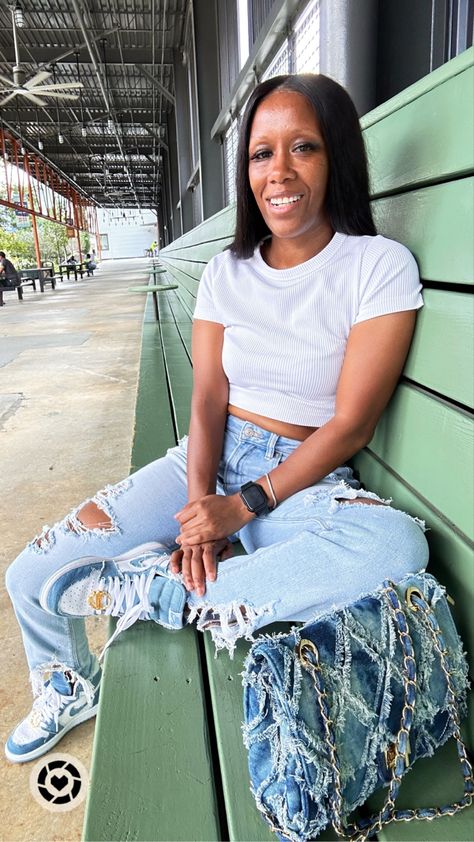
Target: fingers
(199, 563)
(195, 536)
(227, 551)
(198, 574)
(175, 561)
(186, 566)
(209, 562)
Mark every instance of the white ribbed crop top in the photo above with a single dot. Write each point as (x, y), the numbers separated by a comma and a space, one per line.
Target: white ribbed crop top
(285, 330)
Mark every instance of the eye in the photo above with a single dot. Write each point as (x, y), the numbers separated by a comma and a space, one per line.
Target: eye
(260, 155)
(305, 147)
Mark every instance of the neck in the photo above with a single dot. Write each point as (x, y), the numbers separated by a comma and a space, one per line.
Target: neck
(285, 254)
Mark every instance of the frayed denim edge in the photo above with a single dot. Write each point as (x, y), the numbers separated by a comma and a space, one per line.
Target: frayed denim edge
(71, 523)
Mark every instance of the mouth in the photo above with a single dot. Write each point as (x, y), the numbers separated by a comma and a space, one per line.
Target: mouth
(284, 201)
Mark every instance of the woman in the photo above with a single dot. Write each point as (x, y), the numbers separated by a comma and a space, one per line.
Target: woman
(300, 334)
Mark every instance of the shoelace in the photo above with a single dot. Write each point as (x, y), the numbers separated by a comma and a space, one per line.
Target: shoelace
(130, 598)
(49, 703)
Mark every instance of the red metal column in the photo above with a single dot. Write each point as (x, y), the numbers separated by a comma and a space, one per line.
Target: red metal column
(33, 214)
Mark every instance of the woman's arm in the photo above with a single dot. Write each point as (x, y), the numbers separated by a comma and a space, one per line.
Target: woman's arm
(208, 409)
(206, 435)
(375, 354)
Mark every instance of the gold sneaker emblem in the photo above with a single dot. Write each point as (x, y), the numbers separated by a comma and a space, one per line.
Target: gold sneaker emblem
(36, 718)
(99, 600)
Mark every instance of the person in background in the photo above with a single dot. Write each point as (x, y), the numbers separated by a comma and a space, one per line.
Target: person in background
(71, 259)
(90, 265)
(9, 277)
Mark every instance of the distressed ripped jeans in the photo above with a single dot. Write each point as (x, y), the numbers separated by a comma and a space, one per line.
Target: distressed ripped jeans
(314, 552)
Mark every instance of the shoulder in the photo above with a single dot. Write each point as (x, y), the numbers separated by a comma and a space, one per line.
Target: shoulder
(224, 260)
(382, 249)
(221, 267)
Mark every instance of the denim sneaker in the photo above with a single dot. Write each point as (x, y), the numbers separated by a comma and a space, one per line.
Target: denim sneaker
(134, 586)
(63, 701)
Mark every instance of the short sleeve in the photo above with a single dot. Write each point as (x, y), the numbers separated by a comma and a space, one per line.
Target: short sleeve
(390, 281)
(206, 305)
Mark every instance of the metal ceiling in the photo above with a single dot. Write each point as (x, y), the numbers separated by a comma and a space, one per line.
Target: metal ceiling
(122, 52)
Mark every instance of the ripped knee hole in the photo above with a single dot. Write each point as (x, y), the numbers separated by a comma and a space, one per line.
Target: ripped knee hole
(92, 517)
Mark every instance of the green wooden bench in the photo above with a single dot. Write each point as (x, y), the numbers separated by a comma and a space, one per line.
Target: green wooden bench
(168, 759)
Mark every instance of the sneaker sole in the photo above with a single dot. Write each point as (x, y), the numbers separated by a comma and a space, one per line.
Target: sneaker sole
(152, 546)
(38, 752)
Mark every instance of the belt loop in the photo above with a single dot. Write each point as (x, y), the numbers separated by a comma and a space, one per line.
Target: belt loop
(270, 451)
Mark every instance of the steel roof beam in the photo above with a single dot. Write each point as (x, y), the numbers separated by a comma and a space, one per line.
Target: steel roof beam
(47, 55)
(99, 77)
(157, 84)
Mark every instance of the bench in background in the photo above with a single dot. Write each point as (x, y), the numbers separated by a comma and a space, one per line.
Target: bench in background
(168, 759)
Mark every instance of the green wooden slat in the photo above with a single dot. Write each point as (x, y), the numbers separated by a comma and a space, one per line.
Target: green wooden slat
(451, 557)
(180, 311)
(243, 819)
(183, 323)
(192, 268)
(179, 374)
(427, 139)
(215, 227)
(151, 740)
(427, 83)
(153, 427)
(442, 352)
(429, 444)
(152, 776)
(185, 281)
(436, 224)
(202, 252)
(188, 299)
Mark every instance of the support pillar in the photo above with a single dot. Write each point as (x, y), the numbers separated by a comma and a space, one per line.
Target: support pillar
(207, 73)
(36, 240)
(348, 48)
(33, 215)
(183, 135)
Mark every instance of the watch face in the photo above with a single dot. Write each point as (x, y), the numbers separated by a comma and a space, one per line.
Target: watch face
(255, 497)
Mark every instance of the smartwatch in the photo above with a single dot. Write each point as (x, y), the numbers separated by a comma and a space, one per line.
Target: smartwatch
(254, 498)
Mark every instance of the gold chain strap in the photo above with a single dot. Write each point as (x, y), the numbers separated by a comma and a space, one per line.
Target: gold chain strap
(308, 654)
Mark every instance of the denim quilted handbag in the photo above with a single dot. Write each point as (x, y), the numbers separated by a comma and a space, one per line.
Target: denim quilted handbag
(345, 705)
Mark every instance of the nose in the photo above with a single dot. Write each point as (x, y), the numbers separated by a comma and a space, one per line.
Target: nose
(281, 168)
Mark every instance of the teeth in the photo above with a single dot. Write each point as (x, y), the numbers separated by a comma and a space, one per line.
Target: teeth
(285, 200)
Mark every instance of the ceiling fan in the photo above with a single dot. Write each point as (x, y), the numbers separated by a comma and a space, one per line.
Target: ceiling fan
(32, 89)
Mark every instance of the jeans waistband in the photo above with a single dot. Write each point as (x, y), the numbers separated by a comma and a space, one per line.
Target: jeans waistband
(250, 432)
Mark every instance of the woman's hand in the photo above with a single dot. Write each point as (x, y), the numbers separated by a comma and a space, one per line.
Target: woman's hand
(211, 518)
(198, 563)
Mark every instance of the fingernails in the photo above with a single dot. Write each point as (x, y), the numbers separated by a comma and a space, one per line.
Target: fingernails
(199, 591)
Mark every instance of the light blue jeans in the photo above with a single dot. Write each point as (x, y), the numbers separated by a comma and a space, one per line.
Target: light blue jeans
(311, 553)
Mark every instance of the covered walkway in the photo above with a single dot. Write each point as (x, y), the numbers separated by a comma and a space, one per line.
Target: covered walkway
(68, 376)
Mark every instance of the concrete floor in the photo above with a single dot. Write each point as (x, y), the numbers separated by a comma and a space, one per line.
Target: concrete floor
(68, 375)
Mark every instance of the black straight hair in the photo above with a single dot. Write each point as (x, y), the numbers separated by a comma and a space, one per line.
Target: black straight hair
(347, 197)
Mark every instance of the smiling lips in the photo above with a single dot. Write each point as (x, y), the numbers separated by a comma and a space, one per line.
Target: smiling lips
(284, 201)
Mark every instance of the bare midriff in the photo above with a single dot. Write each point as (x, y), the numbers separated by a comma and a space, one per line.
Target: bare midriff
(281, 428)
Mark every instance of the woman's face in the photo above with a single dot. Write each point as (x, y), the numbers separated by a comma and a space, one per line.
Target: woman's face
(288, 168)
